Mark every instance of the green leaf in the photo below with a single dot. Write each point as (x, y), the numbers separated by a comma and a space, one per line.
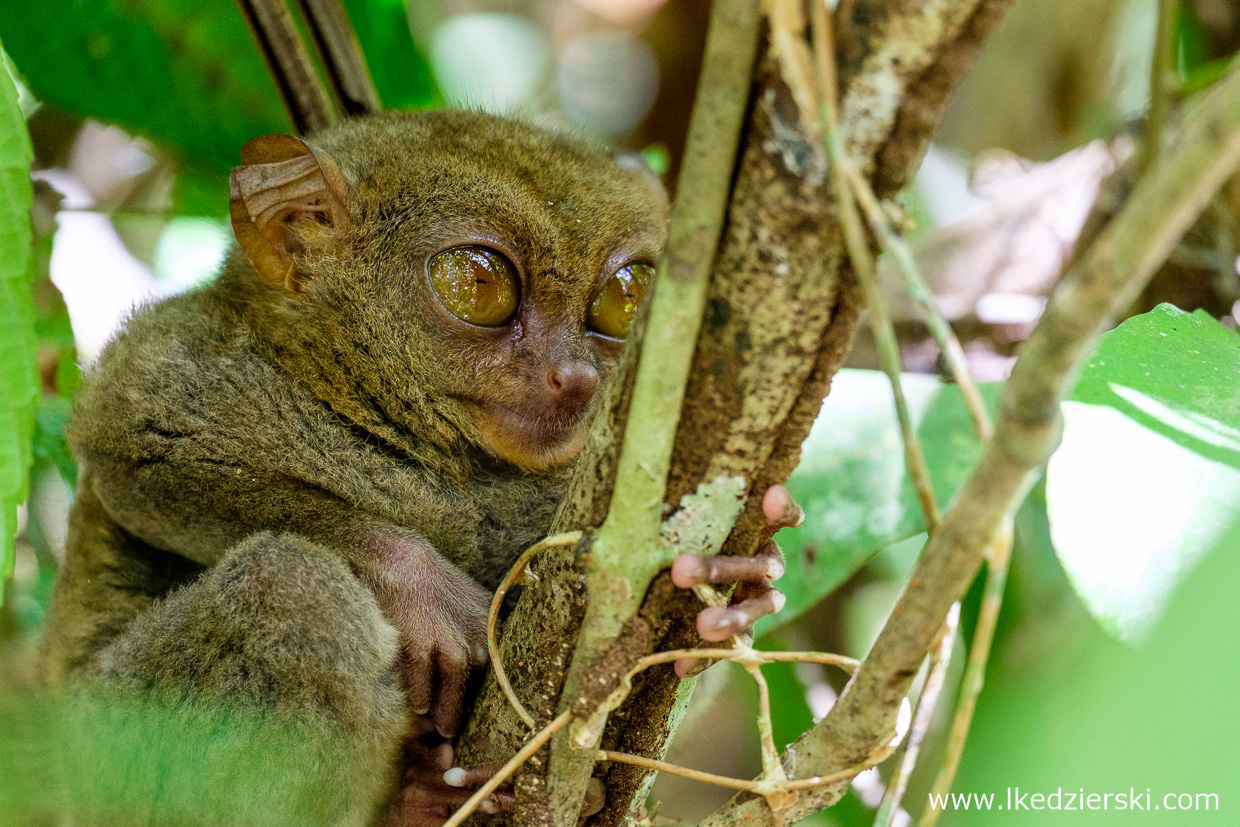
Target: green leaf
(402, 75)
(186, 74)
(1148, 475)
(852, 481)
(19, 380)
(50, 420)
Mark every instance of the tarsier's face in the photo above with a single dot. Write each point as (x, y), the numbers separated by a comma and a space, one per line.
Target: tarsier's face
(535, 414)
(496, 267)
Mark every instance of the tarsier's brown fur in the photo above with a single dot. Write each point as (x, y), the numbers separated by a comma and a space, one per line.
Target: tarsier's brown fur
(260, 458)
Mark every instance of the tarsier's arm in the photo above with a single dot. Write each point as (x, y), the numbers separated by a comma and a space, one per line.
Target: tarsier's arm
(438, 611)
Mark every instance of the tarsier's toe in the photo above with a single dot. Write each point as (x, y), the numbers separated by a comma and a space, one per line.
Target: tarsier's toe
(471, 776)
(780, 510)
(689, 570)
(716, 623)
(596, 797)
(453, 673)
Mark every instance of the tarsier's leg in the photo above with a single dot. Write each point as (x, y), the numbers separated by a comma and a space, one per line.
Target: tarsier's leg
(278, 652)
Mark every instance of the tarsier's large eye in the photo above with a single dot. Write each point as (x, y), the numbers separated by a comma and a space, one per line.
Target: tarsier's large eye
(612, 310)
(476, 284)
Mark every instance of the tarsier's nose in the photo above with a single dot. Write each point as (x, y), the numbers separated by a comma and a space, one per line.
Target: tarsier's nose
(572, 385)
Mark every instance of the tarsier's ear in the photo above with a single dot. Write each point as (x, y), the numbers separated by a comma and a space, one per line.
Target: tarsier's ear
(637, 163)
(285, 197)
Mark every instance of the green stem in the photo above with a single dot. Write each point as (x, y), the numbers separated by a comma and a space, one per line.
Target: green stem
(626, 554)
(1161, 67)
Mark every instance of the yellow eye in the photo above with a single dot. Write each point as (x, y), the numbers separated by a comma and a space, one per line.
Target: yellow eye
(613, 308)
(476, 284)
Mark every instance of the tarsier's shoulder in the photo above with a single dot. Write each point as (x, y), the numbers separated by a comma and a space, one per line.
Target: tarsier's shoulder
(173, 368)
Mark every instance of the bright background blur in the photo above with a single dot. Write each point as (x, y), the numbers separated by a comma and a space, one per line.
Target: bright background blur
(1104, 675)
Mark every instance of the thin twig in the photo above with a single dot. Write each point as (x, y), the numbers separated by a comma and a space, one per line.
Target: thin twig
(927, 703)
(999, 557)
(864, 267)
(289, 64)
(341, 54)
(738, 653)
(745, 784)
(772, 770)
(1160, 86)
(497, 601)
(849, 665)
(1097, 287)
(949, 345)
(532, 746)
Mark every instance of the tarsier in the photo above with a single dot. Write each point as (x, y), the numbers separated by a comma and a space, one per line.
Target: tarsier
(300, 483)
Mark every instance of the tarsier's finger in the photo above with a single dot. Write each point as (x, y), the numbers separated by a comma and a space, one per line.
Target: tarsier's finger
(780, 510)
(687, 667)
(498, 802)
(716, 623)
(471, 776)
(596, 797)
(689, 570)
(415, 669)
(453, 672)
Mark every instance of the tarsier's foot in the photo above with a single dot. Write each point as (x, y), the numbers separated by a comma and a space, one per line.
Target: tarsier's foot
(754, 597)
(426, 799)
(477, 775)
(433, 789)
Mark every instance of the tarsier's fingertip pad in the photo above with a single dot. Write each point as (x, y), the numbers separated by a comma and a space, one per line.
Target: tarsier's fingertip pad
(780, 509)
(716, 624)
(688, 570)
(688, 667)
(774, 568)
(454, 777)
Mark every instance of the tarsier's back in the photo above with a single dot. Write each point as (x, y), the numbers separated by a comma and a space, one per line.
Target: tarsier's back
(299, 482)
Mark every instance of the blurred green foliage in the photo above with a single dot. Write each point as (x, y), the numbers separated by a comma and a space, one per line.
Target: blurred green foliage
(852, 484)
(19, 380)
(1148, 476)
(143, 758)
(186, 74)
(1109, 718)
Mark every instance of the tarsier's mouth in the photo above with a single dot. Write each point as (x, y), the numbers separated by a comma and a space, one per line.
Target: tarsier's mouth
(531, 439)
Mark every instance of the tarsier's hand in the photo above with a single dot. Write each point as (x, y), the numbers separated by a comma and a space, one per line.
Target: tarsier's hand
(440, 614)
(754, 597)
